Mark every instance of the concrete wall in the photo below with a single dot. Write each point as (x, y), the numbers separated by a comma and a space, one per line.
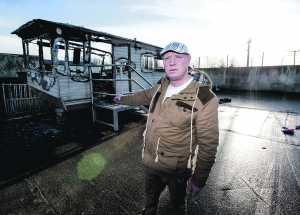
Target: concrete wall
(269, 78)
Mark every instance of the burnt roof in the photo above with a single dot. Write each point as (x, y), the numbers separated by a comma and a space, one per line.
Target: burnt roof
(39, 28)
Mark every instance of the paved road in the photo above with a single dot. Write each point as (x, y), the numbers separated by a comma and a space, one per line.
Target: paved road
(257, 171)
(258, 168)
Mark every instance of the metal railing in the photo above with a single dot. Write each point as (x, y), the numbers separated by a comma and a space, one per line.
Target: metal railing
(114, 80)
(20, 99)
(140, 75)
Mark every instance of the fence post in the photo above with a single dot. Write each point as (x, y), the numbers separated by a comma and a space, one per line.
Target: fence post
(4, 98)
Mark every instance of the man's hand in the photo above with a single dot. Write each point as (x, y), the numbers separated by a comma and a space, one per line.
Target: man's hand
(193, 199)
(117, 99)
(192, 188)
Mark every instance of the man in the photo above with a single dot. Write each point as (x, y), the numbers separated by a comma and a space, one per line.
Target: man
(181, 135)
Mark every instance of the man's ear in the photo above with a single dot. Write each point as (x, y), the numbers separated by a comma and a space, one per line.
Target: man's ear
(189, 58)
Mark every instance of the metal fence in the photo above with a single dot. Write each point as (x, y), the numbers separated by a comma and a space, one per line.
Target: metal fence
(20, 99)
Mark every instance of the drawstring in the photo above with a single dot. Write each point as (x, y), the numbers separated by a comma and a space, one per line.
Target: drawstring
(144, 140)
(194, 162)
(156, 151)
(189, 164)
(145, 131)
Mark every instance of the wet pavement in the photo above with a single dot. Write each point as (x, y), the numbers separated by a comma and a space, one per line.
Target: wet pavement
(257, 170)
(277, 101)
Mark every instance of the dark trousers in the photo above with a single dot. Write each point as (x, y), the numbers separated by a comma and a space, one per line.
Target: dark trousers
(155, 183)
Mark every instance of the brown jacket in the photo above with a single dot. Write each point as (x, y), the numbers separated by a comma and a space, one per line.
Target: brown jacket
(168, 143)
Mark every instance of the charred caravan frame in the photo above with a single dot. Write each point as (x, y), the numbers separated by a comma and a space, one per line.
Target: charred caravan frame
(78, 66)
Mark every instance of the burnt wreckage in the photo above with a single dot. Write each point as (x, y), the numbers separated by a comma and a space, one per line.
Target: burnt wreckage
(81, 67)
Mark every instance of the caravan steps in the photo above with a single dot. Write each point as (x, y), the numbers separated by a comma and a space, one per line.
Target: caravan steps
(115, 109)
(76, 103)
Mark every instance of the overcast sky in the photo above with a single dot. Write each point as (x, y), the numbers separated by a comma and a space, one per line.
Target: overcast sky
(212, 29)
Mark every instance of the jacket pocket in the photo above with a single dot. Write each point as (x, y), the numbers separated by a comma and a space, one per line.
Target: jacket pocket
(179, 116)
(167, 161)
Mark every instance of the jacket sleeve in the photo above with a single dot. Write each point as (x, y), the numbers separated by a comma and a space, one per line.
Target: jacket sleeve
(207, 133)
(140, 98)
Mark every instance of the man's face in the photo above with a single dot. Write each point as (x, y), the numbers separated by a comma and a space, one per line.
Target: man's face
(176, 65)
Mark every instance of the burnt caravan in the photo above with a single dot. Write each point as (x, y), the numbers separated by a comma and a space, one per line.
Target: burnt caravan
(79, 67)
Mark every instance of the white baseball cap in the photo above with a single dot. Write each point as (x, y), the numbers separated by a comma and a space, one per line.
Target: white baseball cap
(175, 47)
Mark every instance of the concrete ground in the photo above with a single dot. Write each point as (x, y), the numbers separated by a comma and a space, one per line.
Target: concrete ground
(257, 170)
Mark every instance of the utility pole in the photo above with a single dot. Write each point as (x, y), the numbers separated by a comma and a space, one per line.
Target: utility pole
(227, 61)
(295, 52)
(199, 62)
(262, 59)
(248, 51)
(207, 66)
(225, 71)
